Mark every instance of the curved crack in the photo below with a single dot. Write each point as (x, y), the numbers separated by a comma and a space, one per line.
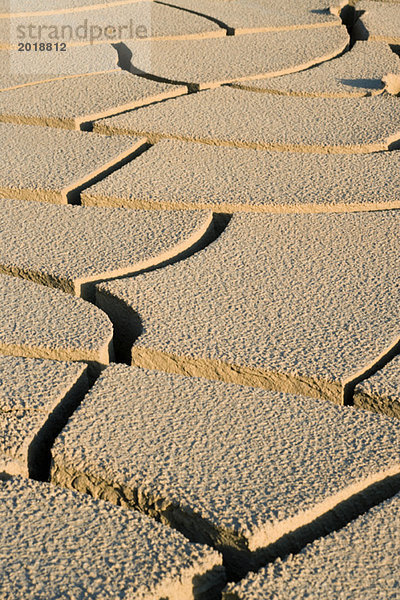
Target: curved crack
(73, 193)
(127, 323)
(221, 24)
(125, 63)
(380, 362)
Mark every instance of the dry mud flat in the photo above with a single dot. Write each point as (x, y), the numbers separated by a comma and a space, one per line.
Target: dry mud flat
(205, 465)
(216, 205)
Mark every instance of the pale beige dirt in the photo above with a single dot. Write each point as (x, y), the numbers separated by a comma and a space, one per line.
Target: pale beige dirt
(211, 459)
(209, 192)
(59, 544)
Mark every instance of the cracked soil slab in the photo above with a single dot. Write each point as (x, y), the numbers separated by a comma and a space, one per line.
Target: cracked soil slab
(381, 392)
(358, 72)
(209, 62)
(59, 544)
(201, 176)
(26, 7)
(70, 246)
(211, 460)
(70, 102)
(39, 322)
(359, 561)
(36, 396)
(380, 21)
(109, 24)
(61, 161)
(244, 16)
(299, 303)
(233, 117)
(30, 67)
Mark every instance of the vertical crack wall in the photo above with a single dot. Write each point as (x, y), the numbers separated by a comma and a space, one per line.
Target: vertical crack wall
(127, 324)
(381, 362)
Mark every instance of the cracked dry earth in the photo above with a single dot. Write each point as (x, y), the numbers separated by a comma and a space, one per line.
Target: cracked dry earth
(200, 291)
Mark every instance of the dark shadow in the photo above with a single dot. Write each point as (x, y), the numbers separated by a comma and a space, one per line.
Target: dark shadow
(124, 56)
(320, 11)
(334, 520)
(126, 60)
(221, 24)
(126, 322)
(395, 48)
(349, 387)
(209, 586)
(39, 452)
(375, 84)
(357, 30)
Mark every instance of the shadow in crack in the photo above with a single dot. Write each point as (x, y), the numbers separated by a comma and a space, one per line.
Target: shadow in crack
(126, 60)
(127, 324)
(124, 56)
(395, 48)
(221, 24)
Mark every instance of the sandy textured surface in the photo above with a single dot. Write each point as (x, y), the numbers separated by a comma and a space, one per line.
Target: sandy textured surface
(359, 561)
(355, 73)
(69, 102)
(138, 20)
(254, 306)
(381, 392)
(70, 246)
(206, 192)
(60, 6)
(208, 62)
(174, 174)
(380, 21)
(211, 459)
(227, 116)
(21, 68)
(39, 322)
(62, 160)
(255, 15)
(58, 544)
(35, 395)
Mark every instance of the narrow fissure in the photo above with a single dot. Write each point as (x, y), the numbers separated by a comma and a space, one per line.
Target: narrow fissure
(125, 63)
(39, 452)
(126, 323)
(382, 361)
(74, 195)
(221, 24)
(238, 560)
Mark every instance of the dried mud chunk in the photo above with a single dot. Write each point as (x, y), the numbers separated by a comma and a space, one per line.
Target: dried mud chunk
(233, 117)
(379, 21)
(71, 247)
(39, 322)
(201, 176)
(243, 16)
(60, 162)
(210, 62)
(361, 560)
(359, 72)
(71, 103)
(210, 459)
(36, 398)
(298, 303)
(59, 544)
